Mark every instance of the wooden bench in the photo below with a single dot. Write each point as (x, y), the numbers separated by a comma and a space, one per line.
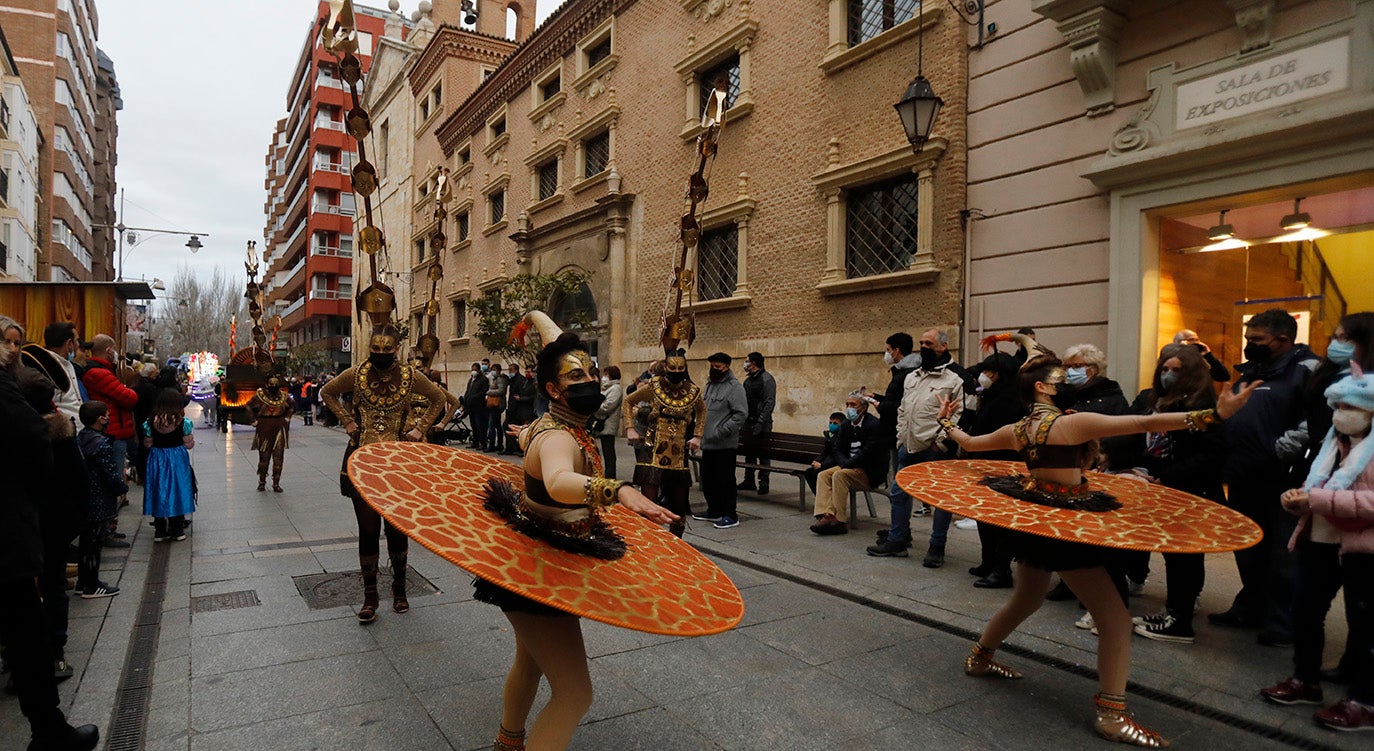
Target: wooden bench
(783, 447)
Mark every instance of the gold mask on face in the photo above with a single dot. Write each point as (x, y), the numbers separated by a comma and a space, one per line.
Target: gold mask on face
(573, 361)
(675, 364)
(1056, 376)
(384, 342)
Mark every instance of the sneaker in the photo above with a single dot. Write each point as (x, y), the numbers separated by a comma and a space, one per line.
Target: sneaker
(98, 591)
(1086, 623)
(1147, 619)
(966, 524)
(117, 535)
(1293, 691)
(1168, 628)
(1133, 587)
(62, 670)
(1346, 715)
(935, 557)
(922, 511)
(705, 517)
(726, 522)
(890, 549)
(178, 537)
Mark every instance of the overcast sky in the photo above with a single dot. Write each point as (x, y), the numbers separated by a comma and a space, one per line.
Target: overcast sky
(203, 85)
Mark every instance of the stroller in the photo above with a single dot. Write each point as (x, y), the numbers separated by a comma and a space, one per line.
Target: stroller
(456, 430)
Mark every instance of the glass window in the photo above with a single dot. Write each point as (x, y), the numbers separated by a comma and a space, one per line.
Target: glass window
(498, 206)
(462, 220)
(726, 72)
(718, 263)
(869, 18)
(550, 87)
(460, 318)
(596, 154)
(600, 52)
(548, 179)
(881, 227)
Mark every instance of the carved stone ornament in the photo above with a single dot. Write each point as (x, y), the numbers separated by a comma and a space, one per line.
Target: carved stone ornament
(545, 122)
(596, 88)
(1255, 19)
(712, 8)
(1138, 132)
(1091, 27)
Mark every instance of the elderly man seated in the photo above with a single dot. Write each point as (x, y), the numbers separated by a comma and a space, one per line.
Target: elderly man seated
(859, 459)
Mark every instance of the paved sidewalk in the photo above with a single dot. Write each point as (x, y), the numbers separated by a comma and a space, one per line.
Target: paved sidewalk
(837, 650)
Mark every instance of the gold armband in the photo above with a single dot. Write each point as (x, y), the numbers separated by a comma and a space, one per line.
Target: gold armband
(947, 424)
(1200, 419)
(600, 492)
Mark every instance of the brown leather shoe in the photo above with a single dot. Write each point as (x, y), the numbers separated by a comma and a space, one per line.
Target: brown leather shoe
(1293, 691)
(1346, 715)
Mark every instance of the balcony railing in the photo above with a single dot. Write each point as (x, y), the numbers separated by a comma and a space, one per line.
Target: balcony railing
(330, 294)
(331, 167)
(293, 307)
(329, 125)
(328, 250)
(339, 210)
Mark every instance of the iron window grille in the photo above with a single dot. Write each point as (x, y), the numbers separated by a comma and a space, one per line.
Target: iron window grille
(599, 52)
(881, 227)
(548, 179)
(460, 318)
(869, 18)
(728, 69)
(462, 220)
(718, 263)
(498, 206)
(597, 154)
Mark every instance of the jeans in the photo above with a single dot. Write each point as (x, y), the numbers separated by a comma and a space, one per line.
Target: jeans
(901, 502)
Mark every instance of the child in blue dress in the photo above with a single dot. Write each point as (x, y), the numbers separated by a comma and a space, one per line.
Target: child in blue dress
(169, 488)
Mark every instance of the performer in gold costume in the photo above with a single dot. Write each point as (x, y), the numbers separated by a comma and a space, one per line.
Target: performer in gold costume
(383, 394)
(677, 416)
(271, 411)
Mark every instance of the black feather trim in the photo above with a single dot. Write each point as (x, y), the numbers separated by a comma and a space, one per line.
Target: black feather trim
(1012, 485)
(501, 498)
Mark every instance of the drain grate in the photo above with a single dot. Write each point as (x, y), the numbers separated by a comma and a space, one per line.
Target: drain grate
(247, 598)
(129, 721)
(322, 591)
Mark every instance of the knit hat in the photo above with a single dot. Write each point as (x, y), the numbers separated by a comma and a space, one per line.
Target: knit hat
(1355, 390)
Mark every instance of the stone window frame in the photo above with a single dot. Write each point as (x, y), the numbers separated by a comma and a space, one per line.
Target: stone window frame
(433, 103)
(607, 120)
(839, 55)
(499, 185)
(463, 156)
(555, 151)
(462, 209)
(496, 141)
(460, 333)
(738, 39)
(585, 74)
(834, 183)
(424, 188)
(739, 212)
(540, 105)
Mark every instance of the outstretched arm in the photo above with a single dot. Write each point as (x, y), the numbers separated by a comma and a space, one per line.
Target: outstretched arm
(1081, 427)
(1002, 439)
(556, 458)
(332, 396)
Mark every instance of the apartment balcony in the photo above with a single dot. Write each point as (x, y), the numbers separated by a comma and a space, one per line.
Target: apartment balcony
(330, 250)
(4, 189)
(293, 314)
(4, 119)
(292, 278)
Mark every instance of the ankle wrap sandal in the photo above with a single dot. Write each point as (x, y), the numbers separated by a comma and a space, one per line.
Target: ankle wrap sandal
(368, 612)
(979, 663)
(1116, 724)
(399, 603)
(509, 740)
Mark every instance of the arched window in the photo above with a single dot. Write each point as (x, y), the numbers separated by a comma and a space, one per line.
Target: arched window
(573, 310)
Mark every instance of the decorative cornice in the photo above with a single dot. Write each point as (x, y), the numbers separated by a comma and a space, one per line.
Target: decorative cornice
(1091, 27)
(557, 37)
(450, 41)
(1255, 19)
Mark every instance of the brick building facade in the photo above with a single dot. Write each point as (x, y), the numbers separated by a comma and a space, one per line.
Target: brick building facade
(824, 233)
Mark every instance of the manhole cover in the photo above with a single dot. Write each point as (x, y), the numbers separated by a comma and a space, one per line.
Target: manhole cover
(322, 591)
(247, 598)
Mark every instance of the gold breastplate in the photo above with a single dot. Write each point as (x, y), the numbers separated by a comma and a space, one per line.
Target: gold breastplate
(381, 403)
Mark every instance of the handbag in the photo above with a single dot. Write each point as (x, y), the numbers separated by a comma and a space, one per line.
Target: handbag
(493, 402)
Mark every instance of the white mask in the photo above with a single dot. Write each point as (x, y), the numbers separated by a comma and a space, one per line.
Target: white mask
(887, 359)
(1350, 421)
(985, 380)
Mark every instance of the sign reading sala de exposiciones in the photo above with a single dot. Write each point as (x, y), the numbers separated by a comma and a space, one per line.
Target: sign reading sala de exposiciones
(1265, 84)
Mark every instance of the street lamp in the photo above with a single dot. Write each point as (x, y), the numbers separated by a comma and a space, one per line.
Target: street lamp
(919, 105)
(194, 243)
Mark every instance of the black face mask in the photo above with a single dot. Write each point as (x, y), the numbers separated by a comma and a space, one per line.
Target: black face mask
(1258, 353)
(1065, 395)
(584, 398)
(675, 376)
(929, 359)
(382, 360)
(718, 375)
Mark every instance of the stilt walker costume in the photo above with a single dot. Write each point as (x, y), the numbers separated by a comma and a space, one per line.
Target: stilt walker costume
(389, 398)
(1063, 519)
(271, 410)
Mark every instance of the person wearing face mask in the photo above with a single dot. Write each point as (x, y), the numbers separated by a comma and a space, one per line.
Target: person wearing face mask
(383, 391)
(608, 416)
(1187, 460)
(761, 391)
(1266, 440)
(998, 405)
(672, 428)
(726, 409)
(934, 379)
(826, 459)
(856, 461)
(1335, 543)
(54, 359)
(104, 384)
(271, 410)
(475, 403)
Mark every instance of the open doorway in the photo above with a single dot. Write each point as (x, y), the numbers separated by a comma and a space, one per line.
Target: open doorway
(1307, 249)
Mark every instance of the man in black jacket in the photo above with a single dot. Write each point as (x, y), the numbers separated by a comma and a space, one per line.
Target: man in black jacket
(761, 392)
(475, 404)
(860, 463)
(26, 457)
(1266, 438)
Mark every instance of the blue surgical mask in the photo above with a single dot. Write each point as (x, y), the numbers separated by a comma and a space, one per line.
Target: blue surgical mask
(71, 357)
(485, 368)
(1340, 352)
(851, 413)
(833, 428)
(1076, 376)
(1168, 379)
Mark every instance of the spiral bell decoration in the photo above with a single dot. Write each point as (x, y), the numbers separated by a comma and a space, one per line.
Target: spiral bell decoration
(339, 36)
(678, 327)
(427, 344)
(260, 354)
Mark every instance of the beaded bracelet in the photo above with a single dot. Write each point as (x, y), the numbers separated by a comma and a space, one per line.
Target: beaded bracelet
(1200, 419)
(600, 492)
